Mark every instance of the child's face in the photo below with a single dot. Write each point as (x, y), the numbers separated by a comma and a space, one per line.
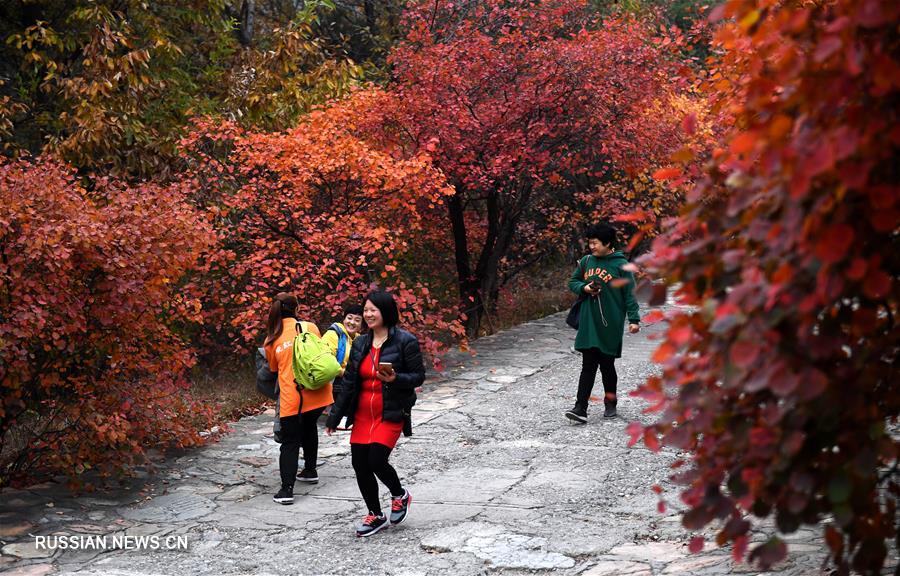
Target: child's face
(598, 248)
(353, 322)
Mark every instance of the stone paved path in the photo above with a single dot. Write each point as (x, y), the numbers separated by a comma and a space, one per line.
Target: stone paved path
(501, 483)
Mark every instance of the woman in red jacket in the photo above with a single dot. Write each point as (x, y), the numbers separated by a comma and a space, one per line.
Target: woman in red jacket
(384, 370)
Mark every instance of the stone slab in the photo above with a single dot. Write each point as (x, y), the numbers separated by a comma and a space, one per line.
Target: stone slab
(471, 375)
(693, 564)
(650, 551)
(490, 386)
(432, 516)
(468, 484)
(176, 507)
(14, 529)
(238, 493)
(260, 512)
(503, 379)
(32, 570)
(498, 547)
(27, 550)
(89, 528)
(256, 461)
(619, 568)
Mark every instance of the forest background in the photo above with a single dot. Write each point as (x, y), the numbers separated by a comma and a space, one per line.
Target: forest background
(169, 166)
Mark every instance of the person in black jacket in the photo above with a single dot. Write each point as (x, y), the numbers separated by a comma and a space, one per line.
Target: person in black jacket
(380, 383)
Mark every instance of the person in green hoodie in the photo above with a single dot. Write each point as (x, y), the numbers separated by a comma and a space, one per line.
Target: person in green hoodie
(607, 286)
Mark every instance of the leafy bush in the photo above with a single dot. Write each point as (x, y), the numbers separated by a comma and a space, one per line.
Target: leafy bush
(783, 382)
(92, 370)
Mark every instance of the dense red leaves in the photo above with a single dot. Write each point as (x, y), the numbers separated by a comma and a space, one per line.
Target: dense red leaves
(320, 212)
(786, 386)
(538, 98)
(522, 105)
(92, 369)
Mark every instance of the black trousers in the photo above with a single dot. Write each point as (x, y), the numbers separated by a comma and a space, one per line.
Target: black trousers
(371, 461)
(296, 431)
(591, 359)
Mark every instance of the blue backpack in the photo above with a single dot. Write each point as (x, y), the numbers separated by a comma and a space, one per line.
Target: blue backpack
(342, 341)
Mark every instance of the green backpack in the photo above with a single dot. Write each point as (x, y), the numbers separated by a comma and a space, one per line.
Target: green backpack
(312, 361)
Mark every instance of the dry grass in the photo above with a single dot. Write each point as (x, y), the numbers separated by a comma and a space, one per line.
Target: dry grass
(231, 387)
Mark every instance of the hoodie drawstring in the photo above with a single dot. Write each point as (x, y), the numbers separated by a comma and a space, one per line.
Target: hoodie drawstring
(600, 307)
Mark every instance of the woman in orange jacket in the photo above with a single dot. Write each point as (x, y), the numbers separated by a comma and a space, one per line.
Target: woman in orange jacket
(298, 409)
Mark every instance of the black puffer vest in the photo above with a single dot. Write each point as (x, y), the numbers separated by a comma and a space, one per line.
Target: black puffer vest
(400, 349)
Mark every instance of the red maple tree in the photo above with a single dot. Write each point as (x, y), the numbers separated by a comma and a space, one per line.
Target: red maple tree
(317, 211)
(521, 105)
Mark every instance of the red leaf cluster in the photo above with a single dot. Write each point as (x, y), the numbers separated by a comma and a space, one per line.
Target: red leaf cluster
(523, 105)
(93, 365)
(318, 211)
(782, 379)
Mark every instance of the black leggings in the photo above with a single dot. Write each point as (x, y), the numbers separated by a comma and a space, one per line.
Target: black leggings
(296, 431)
(591, 359)
(369, 461)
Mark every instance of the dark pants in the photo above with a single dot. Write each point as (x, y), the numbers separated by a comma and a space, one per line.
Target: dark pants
(591, 359)
(369, 461)
(296, 431)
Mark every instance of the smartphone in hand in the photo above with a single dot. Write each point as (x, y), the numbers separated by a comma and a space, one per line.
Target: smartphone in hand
(385, 367)
(595, 286)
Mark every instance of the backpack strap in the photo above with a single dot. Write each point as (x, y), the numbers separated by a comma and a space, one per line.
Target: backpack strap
(581, 264)
(300, 326)
(342, 341)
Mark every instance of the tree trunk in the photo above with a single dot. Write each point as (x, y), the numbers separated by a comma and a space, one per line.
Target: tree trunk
(245, 22)
(470, 303)
(504, 211)
(489, 275)
(369, 7)
(479, 289)
(491, 282)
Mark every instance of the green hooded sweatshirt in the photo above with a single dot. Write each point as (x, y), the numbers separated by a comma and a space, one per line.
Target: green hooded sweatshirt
(602, 320)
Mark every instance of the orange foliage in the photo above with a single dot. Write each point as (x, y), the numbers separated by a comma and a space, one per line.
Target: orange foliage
(318, 211)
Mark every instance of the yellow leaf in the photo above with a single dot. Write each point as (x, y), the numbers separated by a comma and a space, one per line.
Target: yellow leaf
(749, 20)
